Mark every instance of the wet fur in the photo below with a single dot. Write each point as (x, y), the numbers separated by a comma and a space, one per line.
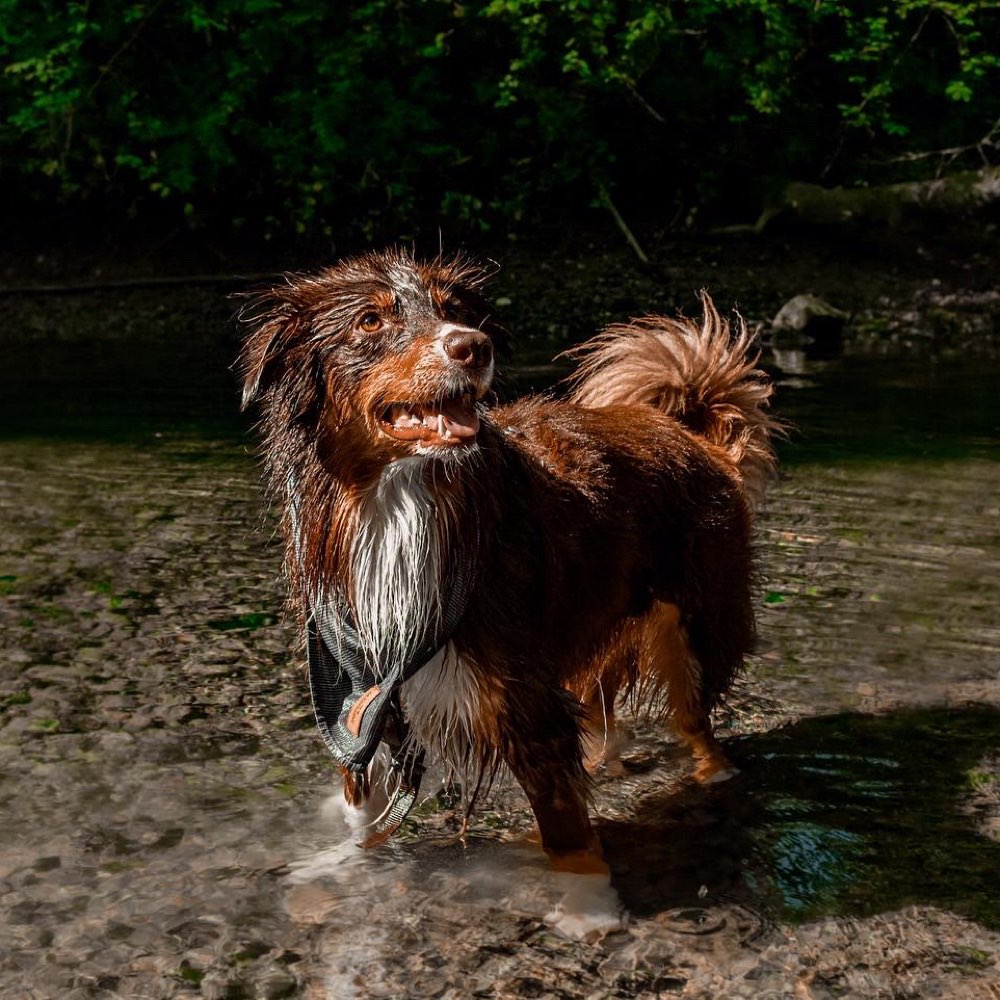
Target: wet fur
(610, 531)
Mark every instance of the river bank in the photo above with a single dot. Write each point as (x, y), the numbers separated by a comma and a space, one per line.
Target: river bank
(553, 287)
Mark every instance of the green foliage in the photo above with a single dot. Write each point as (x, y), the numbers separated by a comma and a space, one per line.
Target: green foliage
(312, 115)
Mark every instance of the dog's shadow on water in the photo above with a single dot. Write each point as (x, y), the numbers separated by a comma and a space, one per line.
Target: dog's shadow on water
(843, 814)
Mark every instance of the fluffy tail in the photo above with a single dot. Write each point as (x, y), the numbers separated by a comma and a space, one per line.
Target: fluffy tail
(700, 373)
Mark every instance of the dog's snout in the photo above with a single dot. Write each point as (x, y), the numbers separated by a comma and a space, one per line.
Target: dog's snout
(469, 348)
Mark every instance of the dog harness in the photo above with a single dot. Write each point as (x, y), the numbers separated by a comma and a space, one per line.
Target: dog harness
(358, 707)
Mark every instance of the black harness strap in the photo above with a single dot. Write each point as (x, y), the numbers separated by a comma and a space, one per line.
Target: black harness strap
(409, 765)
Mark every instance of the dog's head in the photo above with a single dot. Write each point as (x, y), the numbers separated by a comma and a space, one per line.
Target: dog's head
(381, 353)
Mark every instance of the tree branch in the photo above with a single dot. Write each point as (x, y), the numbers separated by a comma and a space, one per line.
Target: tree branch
(623, 226)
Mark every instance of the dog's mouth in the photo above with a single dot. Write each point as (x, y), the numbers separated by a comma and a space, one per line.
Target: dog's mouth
(450, 422)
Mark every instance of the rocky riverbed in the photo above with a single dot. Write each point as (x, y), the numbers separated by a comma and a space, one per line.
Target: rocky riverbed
(169, 826)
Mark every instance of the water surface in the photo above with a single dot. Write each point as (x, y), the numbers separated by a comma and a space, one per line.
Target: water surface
(170, 825)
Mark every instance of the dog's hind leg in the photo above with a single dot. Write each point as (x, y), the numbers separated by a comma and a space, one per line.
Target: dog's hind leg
(693, 724)
(667, 660)
(603, 739)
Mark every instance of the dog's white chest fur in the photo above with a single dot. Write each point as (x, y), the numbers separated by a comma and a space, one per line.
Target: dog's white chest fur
(397, 569)
(396, 564)
(441, 700)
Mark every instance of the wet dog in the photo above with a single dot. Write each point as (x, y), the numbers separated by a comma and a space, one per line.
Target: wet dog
(608, 532)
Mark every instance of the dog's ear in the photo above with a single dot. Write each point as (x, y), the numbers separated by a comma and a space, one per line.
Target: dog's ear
(274, 321)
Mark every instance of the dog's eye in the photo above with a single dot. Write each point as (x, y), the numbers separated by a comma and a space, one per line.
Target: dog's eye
(370, 322)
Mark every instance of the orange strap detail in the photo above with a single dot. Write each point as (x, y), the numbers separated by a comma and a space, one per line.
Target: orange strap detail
(358, 710)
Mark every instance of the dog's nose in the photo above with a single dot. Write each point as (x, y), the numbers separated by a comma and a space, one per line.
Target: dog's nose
(469, 348)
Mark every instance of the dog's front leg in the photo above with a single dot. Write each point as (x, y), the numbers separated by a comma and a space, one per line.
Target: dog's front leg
(365, 799)
(540, 737)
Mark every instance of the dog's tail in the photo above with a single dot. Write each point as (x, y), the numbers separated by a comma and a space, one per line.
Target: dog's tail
(703, 374)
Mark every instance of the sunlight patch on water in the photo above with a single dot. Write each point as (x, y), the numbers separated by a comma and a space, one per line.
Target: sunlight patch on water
(515, 877)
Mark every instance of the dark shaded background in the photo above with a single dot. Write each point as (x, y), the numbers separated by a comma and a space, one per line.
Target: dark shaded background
(236, 124)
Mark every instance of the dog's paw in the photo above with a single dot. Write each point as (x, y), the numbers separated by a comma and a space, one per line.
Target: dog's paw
(359, 818)
(590, 909)
(712, 772)
(351, 825)
(605, 751)
(587, 862)
(723, 774)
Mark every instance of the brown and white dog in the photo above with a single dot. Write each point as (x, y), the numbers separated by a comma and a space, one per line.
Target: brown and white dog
(609, 531)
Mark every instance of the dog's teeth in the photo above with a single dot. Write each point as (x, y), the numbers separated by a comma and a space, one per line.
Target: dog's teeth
(441, 425)
(447, 434)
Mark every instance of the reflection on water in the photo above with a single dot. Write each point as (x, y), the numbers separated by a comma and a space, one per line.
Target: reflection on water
(886, 409)
(162, 787)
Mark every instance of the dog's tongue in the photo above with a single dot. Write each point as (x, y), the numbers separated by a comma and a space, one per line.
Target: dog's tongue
(461, 419)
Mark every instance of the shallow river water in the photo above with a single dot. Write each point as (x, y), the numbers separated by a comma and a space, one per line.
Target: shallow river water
(169, 819)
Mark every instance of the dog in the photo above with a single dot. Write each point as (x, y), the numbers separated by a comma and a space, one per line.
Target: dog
(605, 537)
